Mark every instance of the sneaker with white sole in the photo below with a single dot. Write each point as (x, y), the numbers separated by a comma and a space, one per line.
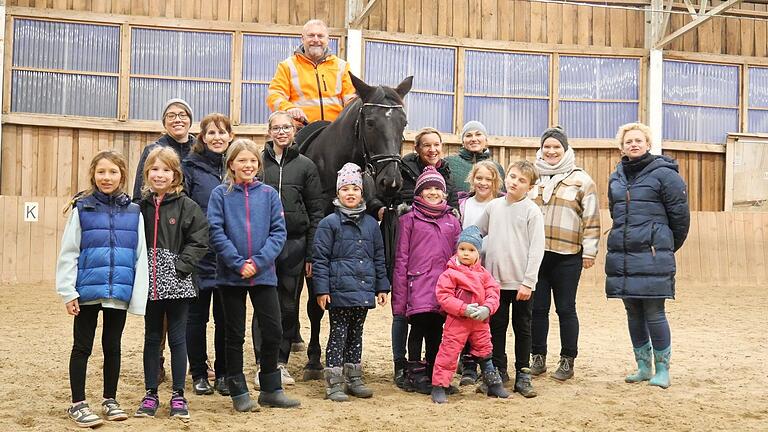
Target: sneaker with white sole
(285, 377)
(112, 410)
(149, 406)
(179, 407)
(82, 415)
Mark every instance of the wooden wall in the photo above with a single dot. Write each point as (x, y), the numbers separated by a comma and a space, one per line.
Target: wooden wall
(722, 249)
(47, 161)
(505, 20)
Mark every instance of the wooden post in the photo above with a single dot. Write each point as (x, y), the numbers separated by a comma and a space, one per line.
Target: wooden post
(355, 51)
(6, 78)
(654, 30)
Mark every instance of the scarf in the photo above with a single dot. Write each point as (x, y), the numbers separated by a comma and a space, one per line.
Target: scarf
(430, 210)
(633, 167)
(352, 213)
(552, 175)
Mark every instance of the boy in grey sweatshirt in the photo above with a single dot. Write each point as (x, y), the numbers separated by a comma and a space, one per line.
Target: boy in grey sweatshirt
(514, 248)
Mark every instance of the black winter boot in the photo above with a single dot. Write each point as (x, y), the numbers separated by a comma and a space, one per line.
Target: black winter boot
(468, 370)
(523, 383)
(399, 375)
(417, 378)
(271, 392)
(238, 391)
(492, 380)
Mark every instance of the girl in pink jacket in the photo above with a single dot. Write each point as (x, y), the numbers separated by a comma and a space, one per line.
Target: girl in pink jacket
(470, 295)
(425, 242)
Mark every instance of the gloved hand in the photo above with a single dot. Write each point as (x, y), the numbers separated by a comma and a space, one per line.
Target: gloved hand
(481, 313)
(470, 310)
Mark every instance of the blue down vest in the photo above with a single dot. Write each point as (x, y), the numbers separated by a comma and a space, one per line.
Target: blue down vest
(110, 233)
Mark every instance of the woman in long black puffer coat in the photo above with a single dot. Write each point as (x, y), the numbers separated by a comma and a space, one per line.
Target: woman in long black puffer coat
(649, 207)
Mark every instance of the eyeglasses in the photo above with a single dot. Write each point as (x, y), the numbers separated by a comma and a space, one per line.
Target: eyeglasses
(174, 116)
(283, 129)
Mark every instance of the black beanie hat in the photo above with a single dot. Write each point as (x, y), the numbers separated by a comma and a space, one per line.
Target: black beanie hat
(557, 133)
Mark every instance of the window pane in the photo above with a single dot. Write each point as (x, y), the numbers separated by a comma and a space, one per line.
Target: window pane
(506, 74)
(702, 124)
(758, 121)
(69, 94)
(758, 87)
(389, 63)
(599, 78)
(254, 109)
(507, 116)
(181, 54)
(66, 46)
(261, 54)
(148, 95)
(696, 83)
(428, 109)
(595, 119)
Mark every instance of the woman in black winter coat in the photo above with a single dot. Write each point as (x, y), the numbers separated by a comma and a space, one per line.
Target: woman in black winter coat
(649, 207)
(296, 179)
(203, 171)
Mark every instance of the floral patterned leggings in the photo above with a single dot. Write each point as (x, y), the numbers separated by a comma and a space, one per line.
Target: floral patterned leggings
(345, 341)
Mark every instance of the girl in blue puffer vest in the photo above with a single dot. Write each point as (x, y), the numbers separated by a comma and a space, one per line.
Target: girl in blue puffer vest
(102, 267)
(649, 207)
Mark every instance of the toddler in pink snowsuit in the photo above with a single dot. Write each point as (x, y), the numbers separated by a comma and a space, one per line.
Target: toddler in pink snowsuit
(469, 294)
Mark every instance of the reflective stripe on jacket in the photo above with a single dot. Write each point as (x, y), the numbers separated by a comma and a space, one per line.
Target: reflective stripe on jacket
(321, 90)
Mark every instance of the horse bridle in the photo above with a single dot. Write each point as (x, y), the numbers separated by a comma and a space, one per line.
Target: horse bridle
(375, 163)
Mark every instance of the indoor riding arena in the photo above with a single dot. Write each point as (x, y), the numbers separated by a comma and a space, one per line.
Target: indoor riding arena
(83, 76)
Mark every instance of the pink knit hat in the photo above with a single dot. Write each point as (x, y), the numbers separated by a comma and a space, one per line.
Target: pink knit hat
(349, 174)
(429, 177)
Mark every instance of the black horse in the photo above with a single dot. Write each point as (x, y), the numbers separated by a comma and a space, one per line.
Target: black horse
(369, 133)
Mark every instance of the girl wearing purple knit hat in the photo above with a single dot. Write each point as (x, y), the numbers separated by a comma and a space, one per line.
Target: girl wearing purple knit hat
(425, 243)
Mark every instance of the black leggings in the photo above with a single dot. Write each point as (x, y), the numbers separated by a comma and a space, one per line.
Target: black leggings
(83, 332)
(345, 339)
(175, 311)
(197, 341)
(265, 324)
(427, 326)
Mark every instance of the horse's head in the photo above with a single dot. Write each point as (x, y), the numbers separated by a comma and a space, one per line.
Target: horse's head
(380, 127)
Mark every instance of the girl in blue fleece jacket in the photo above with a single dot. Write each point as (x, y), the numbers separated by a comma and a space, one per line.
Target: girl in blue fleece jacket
(247, 230)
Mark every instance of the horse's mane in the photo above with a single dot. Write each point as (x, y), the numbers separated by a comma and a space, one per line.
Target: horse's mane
(380, 94)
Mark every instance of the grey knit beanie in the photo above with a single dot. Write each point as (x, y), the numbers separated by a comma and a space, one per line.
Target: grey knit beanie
(474, 125)
(557, 133)
(177, 101)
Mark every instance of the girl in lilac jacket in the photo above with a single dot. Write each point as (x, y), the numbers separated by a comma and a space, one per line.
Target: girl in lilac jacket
(425, 243)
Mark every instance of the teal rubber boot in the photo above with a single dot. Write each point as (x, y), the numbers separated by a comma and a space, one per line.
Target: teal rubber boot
(661, 360)
(643, 358)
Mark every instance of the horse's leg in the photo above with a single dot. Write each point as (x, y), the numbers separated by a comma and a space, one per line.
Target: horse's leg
(314, 367)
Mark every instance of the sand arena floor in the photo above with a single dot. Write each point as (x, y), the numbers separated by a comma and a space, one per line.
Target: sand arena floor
(719, 376)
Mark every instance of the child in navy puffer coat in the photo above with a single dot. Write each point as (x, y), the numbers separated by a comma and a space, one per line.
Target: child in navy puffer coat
(350, 278)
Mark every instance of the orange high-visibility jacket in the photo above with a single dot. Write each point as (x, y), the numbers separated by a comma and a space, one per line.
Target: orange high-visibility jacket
(320, 91)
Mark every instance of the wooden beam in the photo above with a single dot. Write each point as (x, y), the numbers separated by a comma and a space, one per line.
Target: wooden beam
(697, 22)
(364, 14)
(691, 9)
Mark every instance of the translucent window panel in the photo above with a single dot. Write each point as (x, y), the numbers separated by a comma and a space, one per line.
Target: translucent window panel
(699, 124)
(68, 94)
(429, 110)
(508, 116)
(66, 46)
(595, 119)
(758, 121)
(506, 74)
(599, 78)
(254, 110)
(431, 67)
(697, 83)
(181, 54)
(148, 96)
(758, 87)
(261, 54)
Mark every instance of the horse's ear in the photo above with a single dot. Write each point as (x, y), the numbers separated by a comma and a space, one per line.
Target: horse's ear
(404, 87)
(363, 89)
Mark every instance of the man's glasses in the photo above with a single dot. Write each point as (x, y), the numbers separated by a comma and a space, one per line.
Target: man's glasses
(174, 116)
(283, 129)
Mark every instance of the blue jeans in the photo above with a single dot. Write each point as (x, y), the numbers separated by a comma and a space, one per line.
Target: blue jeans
(646, 320)
(399, 336)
